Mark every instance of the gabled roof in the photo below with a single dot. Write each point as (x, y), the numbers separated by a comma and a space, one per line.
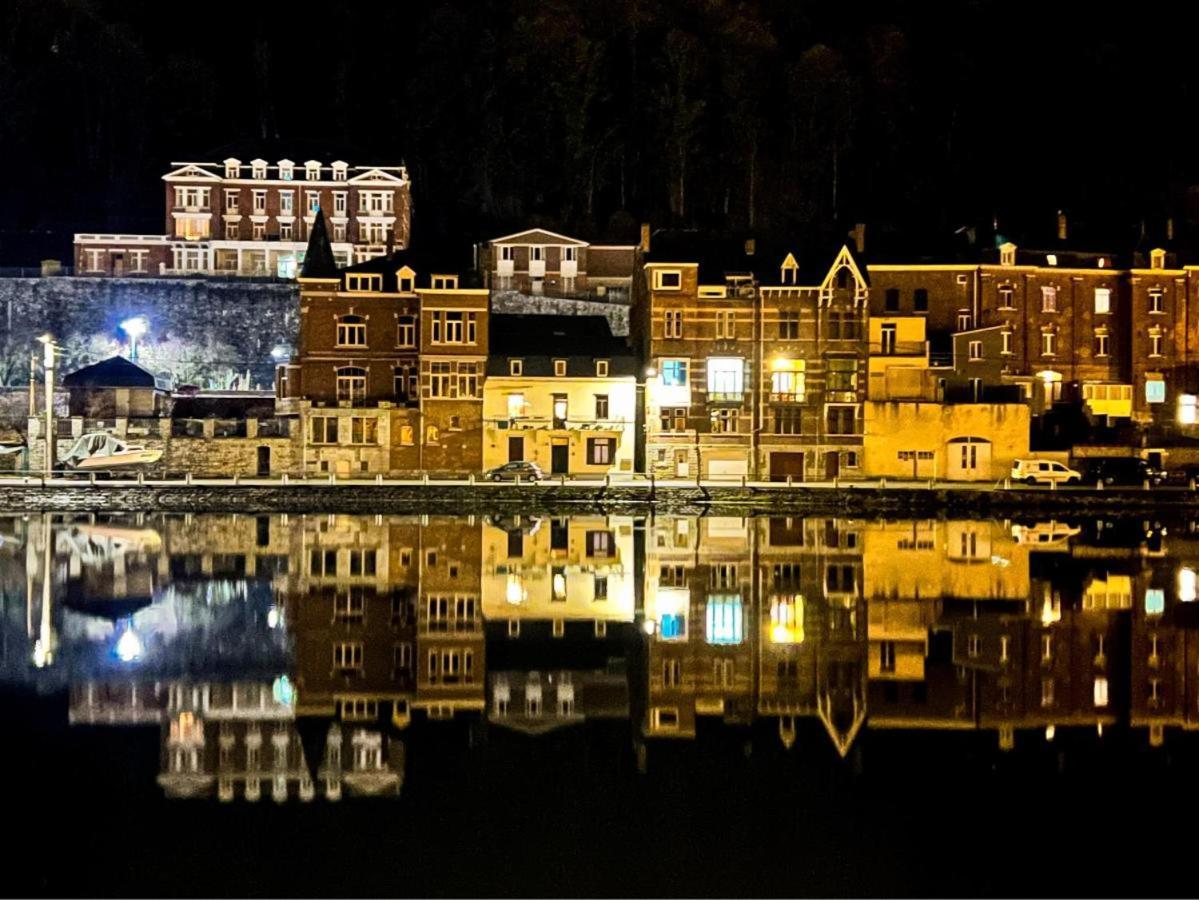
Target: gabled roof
(190, 170)
(115, 372)
(538, 236)
(376, 176)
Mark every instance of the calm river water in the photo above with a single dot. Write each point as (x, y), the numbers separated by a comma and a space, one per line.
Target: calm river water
(596, 704)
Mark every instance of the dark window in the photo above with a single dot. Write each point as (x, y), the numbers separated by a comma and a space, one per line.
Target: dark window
(599, 451)
(920, 300)
(516, 544)
(559, 536)
(599, 543)
(789, 326)
(891, 303)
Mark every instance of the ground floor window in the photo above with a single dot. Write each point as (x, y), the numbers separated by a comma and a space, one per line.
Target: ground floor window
(599, 451)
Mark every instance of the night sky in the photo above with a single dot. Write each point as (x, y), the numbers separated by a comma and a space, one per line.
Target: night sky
(916, 117)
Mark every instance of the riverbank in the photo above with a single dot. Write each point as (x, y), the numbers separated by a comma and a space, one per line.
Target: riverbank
(253, 496)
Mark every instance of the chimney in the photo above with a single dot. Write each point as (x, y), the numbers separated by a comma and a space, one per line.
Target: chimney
(1170, 228)
(1062, 229)
(858, 233)
(644, 237)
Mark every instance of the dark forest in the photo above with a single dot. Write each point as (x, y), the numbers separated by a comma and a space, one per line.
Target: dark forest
(771, 115)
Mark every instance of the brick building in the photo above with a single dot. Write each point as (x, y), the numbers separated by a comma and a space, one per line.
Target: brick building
(759, 359)
(255, 218)
(388, 376)
(541, 262)
(1113, 331)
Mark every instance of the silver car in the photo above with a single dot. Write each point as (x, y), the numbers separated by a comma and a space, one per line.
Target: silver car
(519, 470)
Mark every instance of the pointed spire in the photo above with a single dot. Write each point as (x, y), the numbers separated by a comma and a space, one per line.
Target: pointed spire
(318, 258)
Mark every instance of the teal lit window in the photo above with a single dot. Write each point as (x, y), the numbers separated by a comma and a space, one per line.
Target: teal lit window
(673, 627)
(1155, 391)
(1155, 601)
(674, 373)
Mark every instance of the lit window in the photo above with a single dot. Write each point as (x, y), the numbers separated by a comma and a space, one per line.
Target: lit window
(1155, 391)
(787, 379)
(1186, 584)
(1101, 691)
(673, 627)
(1007, 342)
(725, 378)
(1155, 601)
(1103, 300)
(724, 620)
(1187, 411)
(516, 405)
(1049, 299)
(786, 620)
(674, 373)
(976, 350)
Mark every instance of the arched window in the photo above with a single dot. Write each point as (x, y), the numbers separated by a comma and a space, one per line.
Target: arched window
(351, 331)
(351, 384)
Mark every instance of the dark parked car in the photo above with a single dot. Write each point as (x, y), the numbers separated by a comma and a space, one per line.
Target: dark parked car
(511, 471)
(1123, 470)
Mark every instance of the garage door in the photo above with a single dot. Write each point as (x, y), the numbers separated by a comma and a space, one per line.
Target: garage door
(784, 464)
(727, 468)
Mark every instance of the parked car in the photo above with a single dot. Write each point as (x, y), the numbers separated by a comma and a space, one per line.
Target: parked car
(1043, 471)
(521, 470)
(1122, 470)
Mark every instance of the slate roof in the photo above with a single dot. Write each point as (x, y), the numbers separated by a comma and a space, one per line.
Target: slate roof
(115, 372)
(319, 261)
(539, 340)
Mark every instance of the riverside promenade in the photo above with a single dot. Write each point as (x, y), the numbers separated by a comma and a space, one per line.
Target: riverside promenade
(378, 495)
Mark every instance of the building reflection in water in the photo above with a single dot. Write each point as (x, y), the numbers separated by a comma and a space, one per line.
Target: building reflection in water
(288, 657)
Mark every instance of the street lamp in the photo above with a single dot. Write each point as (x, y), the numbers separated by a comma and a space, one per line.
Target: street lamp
(135, 328)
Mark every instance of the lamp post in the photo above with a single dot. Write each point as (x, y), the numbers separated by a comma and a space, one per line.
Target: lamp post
(48, 348)
(135, 328)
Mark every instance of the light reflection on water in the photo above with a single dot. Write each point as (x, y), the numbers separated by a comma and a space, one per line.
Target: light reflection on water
(288, 657)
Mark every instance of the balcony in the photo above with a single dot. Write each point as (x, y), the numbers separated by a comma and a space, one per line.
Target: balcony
(784, 397)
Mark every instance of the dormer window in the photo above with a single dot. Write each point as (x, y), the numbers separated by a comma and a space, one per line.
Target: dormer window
(233, 168)
(559, 368)
(516, 367)
(358, 281)
(407, 280)
(312, 170)
(668, 280)
(601, 368)
(790, 270)
(286, 169)
(258, 168)
(445, 282)
(1007, 255)
(339, 171)
(1157, 259)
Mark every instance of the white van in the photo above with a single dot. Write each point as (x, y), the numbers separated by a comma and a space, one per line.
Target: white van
(1043, 471)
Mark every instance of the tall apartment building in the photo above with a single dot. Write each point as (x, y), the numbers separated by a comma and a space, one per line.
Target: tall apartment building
(388, 377)
(255, 218)
(758, 357)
